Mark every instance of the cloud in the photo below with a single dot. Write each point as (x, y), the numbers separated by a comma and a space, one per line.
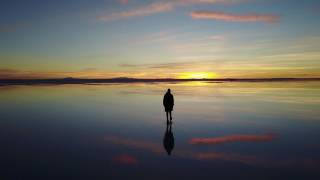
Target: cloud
(7, 28)
(223, 16)
(217, 37)
(227, 67)
(23, 74)
(165, 6)
(124, 1)
(84, 73)
(12, 27)
(141, 11)
(181, 65)
(126, 159)
(157, 7)
(232, 138)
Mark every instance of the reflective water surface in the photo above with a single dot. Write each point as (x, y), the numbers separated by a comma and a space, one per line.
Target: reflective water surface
(119, 131)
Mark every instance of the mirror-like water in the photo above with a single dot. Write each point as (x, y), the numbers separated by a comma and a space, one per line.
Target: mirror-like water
(119, 131)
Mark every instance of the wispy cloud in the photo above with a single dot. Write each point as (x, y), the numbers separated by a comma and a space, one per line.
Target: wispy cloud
(124, 1)
(217, 37)
(181, 65)
(233, 138)
(263, 66)
(12, 27)
(223, 16)
(85, 73)
(157, 7)
(141, 11)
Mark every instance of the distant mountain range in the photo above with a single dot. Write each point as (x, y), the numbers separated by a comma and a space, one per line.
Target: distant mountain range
(71, 80)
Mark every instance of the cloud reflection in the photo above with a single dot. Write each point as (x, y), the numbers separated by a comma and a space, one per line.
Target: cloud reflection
(189, 153)
(126, 159)
(246, 159)
(233, 138)
(137, 144)
(181, 153)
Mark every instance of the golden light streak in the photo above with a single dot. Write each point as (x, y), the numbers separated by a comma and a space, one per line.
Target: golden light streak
(198, 75)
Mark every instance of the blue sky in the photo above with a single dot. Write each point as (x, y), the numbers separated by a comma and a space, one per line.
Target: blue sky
(158, 38)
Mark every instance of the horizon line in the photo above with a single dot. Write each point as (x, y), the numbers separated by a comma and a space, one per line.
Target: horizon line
(71, 80)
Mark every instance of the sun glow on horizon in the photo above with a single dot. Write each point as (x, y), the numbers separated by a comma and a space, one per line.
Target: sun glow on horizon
(198, 75)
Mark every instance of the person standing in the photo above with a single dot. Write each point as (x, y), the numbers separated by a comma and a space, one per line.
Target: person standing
(168, 103)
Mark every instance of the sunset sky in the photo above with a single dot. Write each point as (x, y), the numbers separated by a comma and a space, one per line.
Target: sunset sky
(159, 38)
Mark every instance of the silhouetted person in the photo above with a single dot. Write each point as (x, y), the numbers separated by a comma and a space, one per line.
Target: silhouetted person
(168, 139)
(168, 103)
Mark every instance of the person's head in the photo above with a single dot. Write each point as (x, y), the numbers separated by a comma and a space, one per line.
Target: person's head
(169, 91)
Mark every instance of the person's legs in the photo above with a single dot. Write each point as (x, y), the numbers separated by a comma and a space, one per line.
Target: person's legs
(170, 116)
(167, 116)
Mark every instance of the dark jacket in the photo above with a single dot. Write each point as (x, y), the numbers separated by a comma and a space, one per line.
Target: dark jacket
(168, 101)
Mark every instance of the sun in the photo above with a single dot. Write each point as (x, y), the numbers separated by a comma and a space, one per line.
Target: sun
(198, 75)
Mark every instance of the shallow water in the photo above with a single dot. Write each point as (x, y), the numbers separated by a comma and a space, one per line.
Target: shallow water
(220, 131)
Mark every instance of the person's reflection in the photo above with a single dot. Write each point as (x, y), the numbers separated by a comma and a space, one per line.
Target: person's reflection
(168, 139)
